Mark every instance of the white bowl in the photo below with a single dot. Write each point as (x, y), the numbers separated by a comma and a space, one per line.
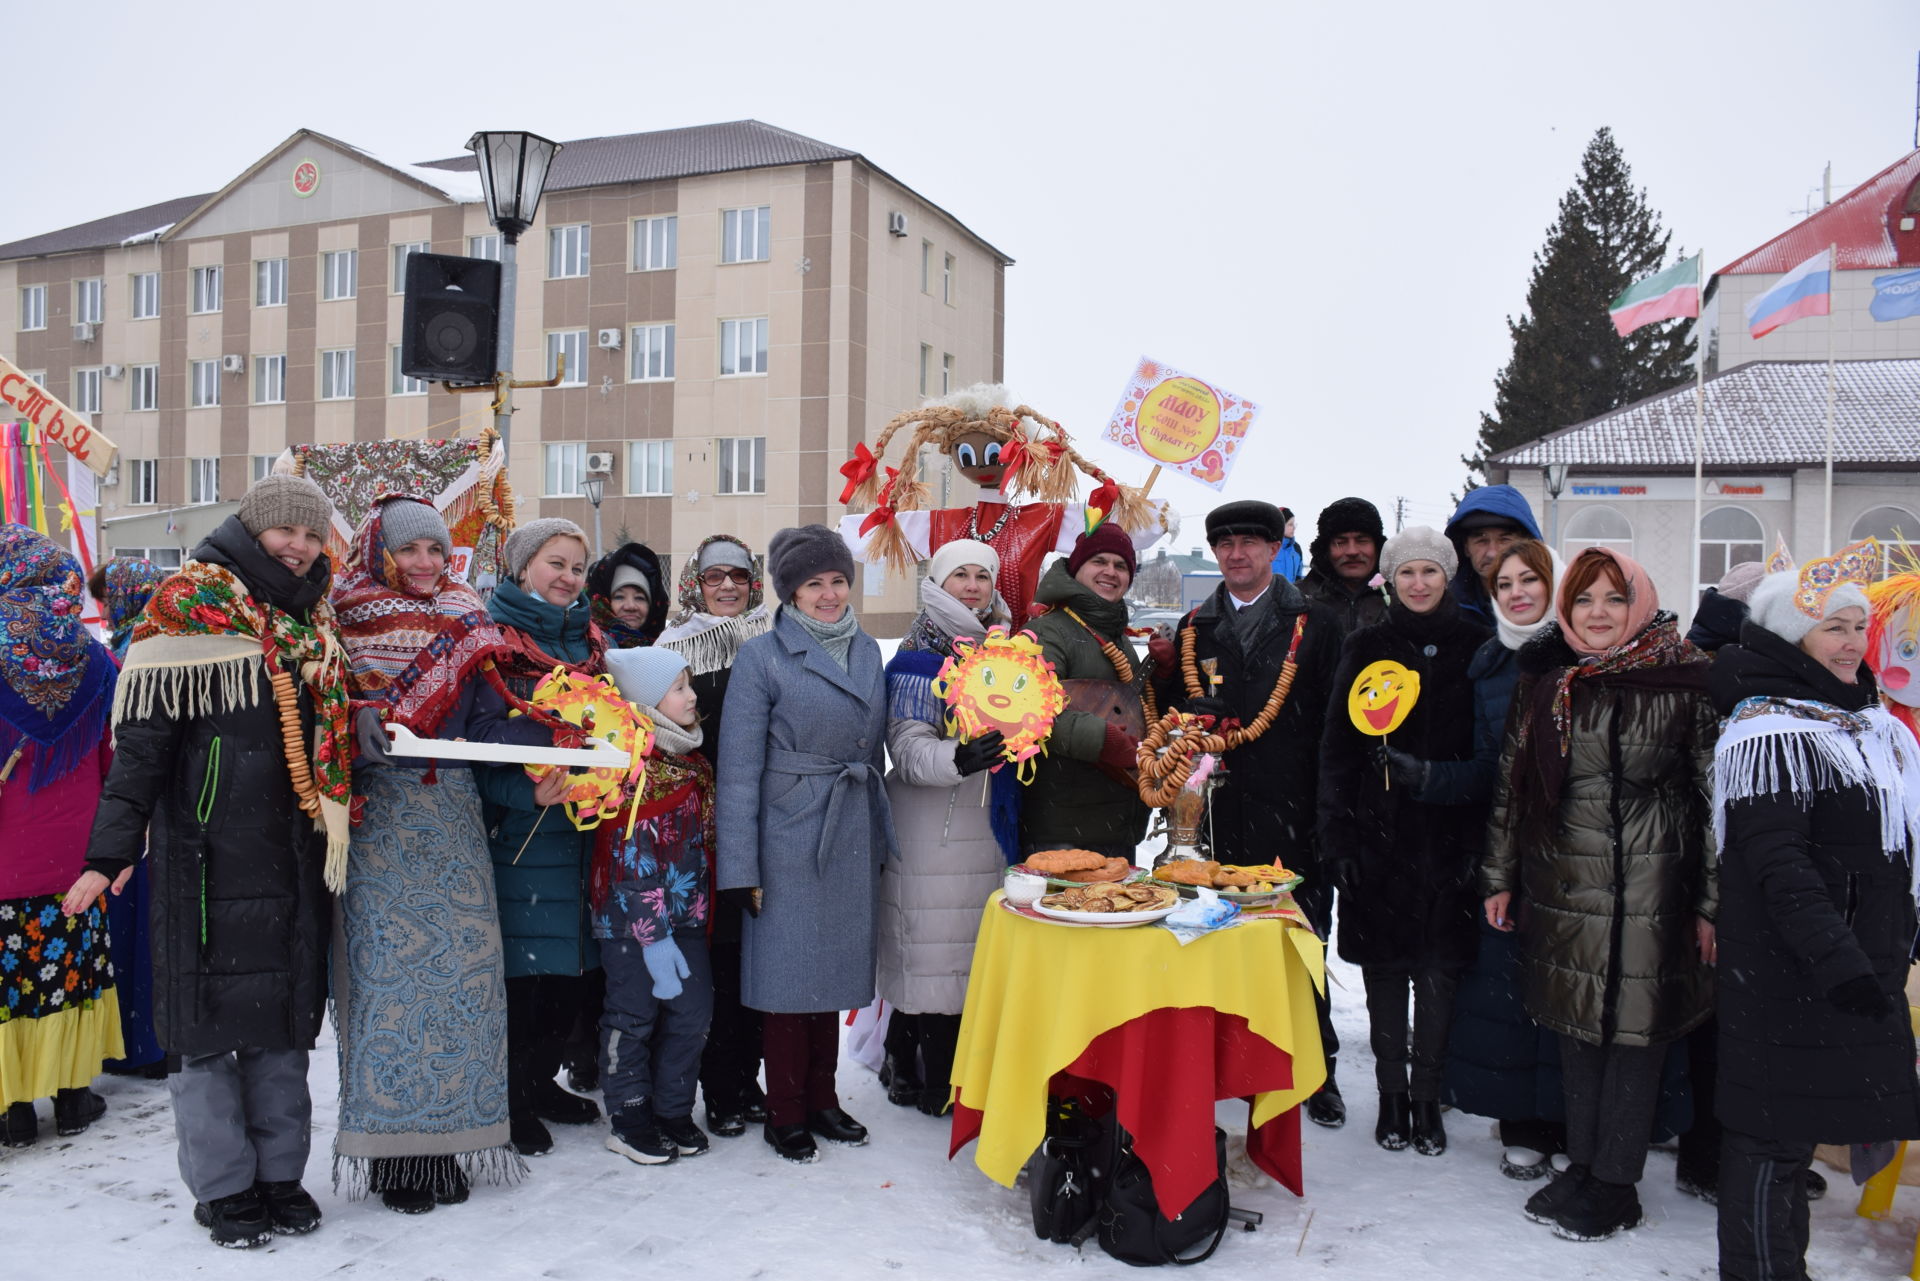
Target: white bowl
(1024, 888)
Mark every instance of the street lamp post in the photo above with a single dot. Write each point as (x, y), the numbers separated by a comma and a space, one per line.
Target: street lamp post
(1556, 481)
(595, 488)
(513, 176)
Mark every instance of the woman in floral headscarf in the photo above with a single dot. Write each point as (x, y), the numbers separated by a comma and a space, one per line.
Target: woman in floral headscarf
(719, 611)
(122, 586)
(59, 1013)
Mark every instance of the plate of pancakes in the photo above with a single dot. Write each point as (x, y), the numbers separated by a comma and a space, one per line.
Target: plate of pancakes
(1080, 867)
(1249, 885)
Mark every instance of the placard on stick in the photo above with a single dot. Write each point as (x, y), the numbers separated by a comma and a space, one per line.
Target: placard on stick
(1181, 422)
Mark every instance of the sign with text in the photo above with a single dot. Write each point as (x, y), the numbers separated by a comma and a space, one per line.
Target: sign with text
(57, 423)
(1679, 488)
(1180, 422)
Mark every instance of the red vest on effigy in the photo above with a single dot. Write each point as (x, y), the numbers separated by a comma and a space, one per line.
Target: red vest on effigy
(1022, 544)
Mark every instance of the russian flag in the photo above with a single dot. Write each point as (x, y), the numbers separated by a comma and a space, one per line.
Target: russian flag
(1807, 290)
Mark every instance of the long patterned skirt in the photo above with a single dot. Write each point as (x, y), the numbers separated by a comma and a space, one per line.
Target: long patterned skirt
(420, 1004)
(59, 1012)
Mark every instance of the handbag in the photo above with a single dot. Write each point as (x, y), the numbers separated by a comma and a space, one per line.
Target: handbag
(1133, 1230)
(1069, 1174)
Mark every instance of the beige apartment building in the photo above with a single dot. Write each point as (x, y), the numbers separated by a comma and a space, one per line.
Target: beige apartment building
(737, 305)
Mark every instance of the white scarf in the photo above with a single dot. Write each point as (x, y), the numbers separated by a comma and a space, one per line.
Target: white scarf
(1513, 635)
(951, 616)
(709, 642)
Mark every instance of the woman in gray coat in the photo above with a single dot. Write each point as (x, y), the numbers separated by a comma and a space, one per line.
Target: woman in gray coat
(804, 828)
(943, 803)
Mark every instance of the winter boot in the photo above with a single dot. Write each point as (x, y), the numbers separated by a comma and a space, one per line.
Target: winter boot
(551, 1103)
(835, 1126)
(1544, 1206)
(902, 1082)
(290, 1210)
(1429, 1135)
(684, 1135)
(1696, 1182)
(1523, 1163)
(636, 1136)
(75, 1110)
(1393, 1130)
(753, 1104)
(20, 1127)
(1816, 1184)
(1599, 1210)
(792, 1142)
(725, 1119)
(1326, 1107)
(237, 1222)
(529, 1136)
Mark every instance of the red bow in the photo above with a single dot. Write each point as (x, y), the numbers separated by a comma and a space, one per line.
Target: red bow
(1015, 452)
(883, 509)
(857, 469)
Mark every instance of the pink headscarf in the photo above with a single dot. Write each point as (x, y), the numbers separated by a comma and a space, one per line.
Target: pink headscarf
(1643, 599)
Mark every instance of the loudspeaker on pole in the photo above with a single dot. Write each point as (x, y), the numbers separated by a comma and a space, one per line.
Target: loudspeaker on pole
(450, 323)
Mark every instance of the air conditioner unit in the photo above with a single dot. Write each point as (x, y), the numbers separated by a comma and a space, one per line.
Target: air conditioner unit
(84, 331)
(115, 371)
(233, 364)
(609, 340)
(601, 462)
(896, 223)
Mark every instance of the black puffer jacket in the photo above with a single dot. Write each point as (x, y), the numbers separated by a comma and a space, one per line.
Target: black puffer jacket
(1810, 898)
(239, 912)
(1407, 895)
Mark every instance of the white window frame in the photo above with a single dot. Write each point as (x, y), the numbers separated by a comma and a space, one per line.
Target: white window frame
(1725, 546)
(269, 381)
(730, 454)
(656, 243)
(1571, 543)
(167, 558)
(87, 386)
(401, 253)
(946, 280)
(270, 282)
(339, 275)
(143, 482)
(336, 374)
(574, 343)
(487, 246)
(143, 295)
(753, 345)
(206, 291)
(569, 251)
(650, 354)
(398, 384)
(649, 468)
(564, 466)
(746, 235)
(926, 367)
(143, 388)
(946, 373)
(203, 384)
(33, 307)
(203, 481)
(1907, 527)
(926, 266)
(263, 467)
(89, 301)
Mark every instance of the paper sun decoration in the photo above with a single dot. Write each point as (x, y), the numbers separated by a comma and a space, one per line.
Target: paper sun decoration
(1002, 683)
(594, 704)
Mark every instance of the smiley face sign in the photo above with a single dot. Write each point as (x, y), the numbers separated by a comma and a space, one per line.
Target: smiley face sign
(1002, 683)
(1382, 695)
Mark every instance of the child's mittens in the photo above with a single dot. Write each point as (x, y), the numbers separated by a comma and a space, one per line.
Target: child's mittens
(667, 967)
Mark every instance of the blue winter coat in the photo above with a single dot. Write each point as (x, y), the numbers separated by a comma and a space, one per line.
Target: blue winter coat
(1508, 504)
(1286, 562)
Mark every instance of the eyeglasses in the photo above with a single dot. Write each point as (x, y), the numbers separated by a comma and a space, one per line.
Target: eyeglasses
(715, 577)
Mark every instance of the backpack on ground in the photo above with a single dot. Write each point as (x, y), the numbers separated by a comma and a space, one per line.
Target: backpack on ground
(1131, 1227)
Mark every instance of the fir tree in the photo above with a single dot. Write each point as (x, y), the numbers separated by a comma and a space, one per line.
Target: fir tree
(1568, 364)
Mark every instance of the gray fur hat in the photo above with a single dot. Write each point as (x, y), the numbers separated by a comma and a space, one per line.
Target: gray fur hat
(799, 552)
(1418, 542)
(280, 499)
(523, 542)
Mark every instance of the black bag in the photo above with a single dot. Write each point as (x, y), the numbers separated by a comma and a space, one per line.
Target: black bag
(1069, 1176)
(1133, 1230)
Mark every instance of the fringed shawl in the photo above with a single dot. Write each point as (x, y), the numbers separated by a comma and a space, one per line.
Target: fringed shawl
(130, 581)
(56, 681)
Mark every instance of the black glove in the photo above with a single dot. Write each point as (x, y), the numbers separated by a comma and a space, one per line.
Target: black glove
(1406, 771)
(745, 898)
(982, 752)
(369, 728)
(1206, 705)
(1862, 997)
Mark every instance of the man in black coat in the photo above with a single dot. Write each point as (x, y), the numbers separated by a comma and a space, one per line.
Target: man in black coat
(1343, 559)
(1265, 809)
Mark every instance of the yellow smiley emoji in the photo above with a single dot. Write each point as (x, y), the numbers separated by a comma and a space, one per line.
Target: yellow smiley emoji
(1382, 695)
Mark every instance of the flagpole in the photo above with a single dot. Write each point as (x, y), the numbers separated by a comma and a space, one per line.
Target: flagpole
(1833, 260)
(1699, 423)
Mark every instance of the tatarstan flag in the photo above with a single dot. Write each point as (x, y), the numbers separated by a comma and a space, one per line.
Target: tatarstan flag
(1674, 293)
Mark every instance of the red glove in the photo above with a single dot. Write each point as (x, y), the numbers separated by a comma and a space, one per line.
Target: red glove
(1161, 654)
(1119, 757)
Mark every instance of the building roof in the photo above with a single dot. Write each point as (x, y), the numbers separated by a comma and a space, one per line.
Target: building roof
(1760, 416)
(672, 153)
(105, 233)
(1858, 223)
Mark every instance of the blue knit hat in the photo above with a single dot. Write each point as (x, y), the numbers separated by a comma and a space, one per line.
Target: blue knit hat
(644, 675)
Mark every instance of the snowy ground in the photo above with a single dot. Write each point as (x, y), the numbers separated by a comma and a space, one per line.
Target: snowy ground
(109, 1204)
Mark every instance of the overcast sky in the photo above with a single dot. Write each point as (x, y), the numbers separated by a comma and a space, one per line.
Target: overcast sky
(1329, 209)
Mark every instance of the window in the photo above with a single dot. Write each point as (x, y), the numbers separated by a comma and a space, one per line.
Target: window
(336, 374)
(263, 466)
(400, 255)
(946, 372)
(143, 387)
(33, 307)
(86, 390)
(571, 343)
(167, 558)
(269, 381)
(569, 251)
(566, 465)
(1597, 527)
(926, 266)
(1728, 536)
(744, 234)
(649, 467)
(89, 301)
(398, 383)
(652, 359)
(487, 247)
(743, 346)
(206, 290)
(743, 464)
(926, 365)
(145, 291)
(270, 282)
(656, 243)
(143, 481)
(205, 377)
(946, 281)
(203, 480)
(339, 274)
(1898, 531)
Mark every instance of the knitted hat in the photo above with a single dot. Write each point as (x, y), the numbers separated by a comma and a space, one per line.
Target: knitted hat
(1776, 605)
(1741, 580)
(800, 552)
(724, 553)
(403, 520)
(628, 576)
(1248, 516)
(1418, 542)
(962, 551)
(644, 674)
(523, 542)
(1108, 538)
(278, 500)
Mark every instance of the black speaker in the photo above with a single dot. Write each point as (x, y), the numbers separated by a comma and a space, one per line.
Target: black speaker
(450, 326)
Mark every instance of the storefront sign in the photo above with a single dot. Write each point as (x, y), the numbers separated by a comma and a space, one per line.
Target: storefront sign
(27, 399)
(1679, 488)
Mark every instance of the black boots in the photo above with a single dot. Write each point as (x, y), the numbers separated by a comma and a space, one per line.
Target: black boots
(1394, 1129)
(237, 1222)
(1429, 1135)
(835, 1126)
(1545, 1205)
(291, 1210)
(792, 1142)
(1597, 1211)
(902, 1082)
(1326, 1107)
(75, 1110)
